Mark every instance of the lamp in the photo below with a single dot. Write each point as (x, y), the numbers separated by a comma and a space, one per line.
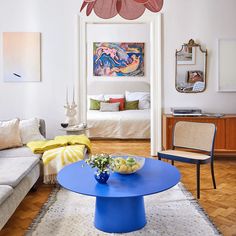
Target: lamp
(128, 9)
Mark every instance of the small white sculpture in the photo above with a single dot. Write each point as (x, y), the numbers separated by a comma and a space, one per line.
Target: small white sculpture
(71, 119)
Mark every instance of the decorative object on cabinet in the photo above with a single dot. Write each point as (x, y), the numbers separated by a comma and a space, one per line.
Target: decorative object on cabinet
(186, 111)
(226, 65)
(127, 9)
(21, 57)
(190, 68)
(226, 130)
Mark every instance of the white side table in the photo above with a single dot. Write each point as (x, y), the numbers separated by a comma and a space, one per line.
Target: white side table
(74, 131)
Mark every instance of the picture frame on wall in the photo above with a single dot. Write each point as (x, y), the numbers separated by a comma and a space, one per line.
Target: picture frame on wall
(111, 59)
(226, 81)
(195, 76)
(187, 56)
(21, 56)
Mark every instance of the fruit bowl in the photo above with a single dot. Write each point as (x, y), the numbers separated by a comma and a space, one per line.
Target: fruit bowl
(128, 164)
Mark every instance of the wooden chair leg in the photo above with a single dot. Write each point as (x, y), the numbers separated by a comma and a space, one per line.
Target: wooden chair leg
(198, 180)
(172, 162)
(213, 175)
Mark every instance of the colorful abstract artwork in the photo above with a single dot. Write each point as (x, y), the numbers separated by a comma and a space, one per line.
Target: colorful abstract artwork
(118, 59)
(21, 56)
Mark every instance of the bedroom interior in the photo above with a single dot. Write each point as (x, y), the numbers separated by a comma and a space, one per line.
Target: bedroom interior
(122, 124)
(99, 100)
(130, 82)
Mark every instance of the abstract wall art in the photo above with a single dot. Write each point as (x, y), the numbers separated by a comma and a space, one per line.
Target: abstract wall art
(21, 56)
(118, 59)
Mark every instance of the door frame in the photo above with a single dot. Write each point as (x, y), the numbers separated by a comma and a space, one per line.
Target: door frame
(155, 23)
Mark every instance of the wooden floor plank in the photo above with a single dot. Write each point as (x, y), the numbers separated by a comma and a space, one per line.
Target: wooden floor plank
(220, 203)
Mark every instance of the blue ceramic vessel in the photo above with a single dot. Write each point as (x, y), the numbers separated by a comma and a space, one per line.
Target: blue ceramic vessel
(101, 177)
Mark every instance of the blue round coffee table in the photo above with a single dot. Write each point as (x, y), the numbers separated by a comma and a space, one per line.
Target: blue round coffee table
(119, 203)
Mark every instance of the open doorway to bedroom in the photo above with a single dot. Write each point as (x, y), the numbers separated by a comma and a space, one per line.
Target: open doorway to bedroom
(118, 81)
(102, 82)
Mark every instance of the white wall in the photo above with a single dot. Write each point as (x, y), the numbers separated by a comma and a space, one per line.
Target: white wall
(202, 20)
(138, 33)
(57, 21)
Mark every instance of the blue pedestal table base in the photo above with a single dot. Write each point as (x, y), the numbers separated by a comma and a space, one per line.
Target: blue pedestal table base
(119, 215)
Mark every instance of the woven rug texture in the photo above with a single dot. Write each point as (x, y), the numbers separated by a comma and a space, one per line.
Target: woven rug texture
(173, 212)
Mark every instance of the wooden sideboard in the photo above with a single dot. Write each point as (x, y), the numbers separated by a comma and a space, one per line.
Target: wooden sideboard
(225, 135)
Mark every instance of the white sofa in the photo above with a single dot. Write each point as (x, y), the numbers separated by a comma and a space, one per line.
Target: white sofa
(19, 171)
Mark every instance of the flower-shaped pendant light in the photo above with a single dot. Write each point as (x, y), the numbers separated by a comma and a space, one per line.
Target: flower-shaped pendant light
(128, 9)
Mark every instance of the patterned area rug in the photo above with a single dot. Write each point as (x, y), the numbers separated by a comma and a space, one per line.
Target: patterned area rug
(173, 212)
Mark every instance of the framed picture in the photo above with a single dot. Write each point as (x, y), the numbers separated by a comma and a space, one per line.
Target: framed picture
(118, 59)
(226, 65)
(21, 56)
(186, 56)
(195, 76)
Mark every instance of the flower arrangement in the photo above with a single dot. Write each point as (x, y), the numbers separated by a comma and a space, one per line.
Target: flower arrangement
(102, 162)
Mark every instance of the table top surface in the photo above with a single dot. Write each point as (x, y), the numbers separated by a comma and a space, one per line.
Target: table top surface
(155, 176)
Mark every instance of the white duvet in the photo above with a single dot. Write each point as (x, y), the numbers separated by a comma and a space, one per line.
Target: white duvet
(128, 124)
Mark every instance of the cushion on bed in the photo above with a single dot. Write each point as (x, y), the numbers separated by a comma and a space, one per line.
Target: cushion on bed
(94, 104)
(107, 97)
(132, 105)
(109, 106)
(99, 97)
(143, 97)
(120, 100)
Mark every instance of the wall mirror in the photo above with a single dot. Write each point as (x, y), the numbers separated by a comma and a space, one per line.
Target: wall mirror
(190, 68)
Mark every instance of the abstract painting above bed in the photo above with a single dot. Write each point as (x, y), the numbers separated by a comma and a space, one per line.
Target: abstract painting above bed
(118, 59)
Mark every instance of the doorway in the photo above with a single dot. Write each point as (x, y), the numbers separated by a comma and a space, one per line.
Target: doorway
(154, 70)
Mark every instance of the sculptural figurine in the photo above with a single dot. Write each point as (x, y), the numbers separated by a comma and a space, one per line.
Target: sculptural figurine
(71, 119)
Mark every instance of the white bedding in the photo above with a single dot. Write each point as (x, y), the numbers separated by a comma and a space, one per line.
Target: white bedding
(128, 124)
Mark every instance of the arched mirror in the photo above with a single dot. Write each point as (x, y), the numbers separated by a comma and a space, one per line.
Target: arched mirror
(191, 68)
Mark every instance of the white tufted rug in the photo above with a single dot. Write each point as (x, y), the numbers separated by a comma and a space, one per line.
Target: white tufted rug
(173, 212)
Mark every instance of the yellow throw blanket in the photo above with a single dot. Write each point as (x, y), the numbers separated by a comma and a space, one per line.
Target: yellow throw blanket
(39, 147)
(54, 160)
(59, 152)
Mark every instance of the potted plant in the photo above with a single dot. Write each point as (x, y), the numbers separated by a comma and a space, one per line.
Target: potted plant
(103, 164)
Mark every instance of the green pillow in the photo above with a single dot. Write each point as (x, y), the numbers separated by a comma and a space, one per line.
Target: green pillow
(94, 104)
(132, 105)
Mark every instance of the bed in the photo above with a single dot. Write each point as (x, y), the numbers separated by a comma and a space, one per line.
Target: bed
(127, 124)
(130, 124)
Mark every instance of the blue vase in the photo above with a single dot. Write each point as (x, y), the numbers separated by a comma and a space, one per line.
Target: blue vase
(101, 177)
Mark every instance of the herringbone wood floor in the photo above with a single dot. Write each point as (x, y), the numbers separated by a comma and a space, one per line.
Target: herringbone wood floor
(220, 204)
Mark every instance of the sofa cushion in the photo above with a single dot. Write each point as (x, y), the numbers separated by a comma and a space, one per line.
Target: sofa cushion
(13, 170)
(10, 134)
(5, 192)
(18, 152)
(29, 130)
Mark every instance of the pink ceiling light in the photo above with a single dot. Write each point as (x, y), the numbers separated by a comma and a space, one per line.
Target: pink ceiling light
(128, 9)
